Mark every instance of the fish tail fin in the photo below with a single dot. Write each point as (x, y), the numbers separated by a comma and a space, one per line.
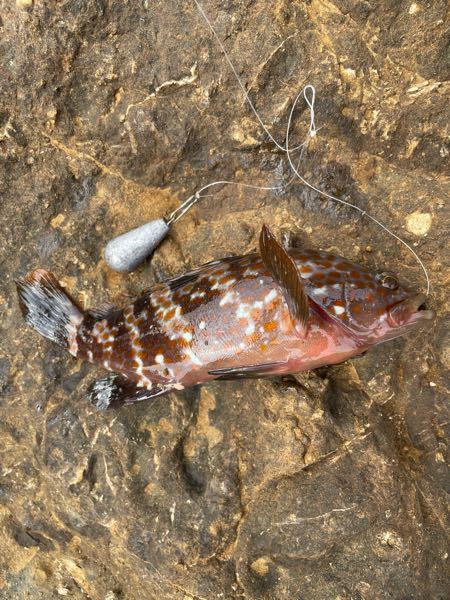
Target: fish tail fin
(48, 309)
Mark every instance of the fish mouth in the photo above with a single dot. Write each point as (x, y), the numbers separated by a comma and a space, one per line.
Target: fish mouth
(410, 312)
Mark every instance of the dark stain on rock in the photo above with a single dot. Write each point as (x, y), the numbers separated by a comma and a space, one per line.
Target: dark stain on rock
(82, 193)
(28, 538)
(5, 366)
(332, 486)
(71, 383)
(47, 243)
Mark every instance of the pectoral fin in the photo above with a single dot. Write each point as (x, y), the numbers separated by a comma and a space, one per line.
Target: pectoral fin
(284, 271)
(113, 391)
(247, 371)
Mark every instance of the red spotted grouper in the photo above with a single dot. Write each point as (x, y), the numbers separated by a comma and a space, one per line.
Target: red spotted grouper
(273, 313)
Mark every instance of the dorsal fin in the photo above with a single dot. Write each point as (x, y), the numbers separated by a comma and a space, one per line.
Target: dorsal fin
(283, 269)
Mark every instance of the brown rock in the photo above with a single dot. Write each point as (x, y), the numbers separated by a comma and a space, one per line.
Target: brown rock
(328, 485)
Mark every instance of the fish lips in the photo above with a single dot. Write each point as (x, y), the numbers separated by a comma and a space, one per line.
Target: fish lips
(409, 312)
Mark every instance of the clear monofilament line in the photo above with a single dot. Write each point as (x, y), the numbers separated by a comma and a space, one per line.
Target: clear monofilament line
(238, 79)
(312, 132)
(189, 202)
(339, 200)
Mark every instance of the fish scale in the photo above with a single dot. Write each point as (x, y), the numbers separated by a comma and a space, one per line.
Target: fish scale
(230, 318)
(235, 297)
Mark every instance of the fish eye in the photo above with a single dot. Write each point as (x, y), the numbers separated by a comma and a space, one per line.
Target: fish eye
(387, 280)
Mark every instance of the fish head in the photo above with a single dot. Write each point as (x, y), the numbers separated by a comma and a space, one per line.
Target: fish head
(397, 308)
(374, 306)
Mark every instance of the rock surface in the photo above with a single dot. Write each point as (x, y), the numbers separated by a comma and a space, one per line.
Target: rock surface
(330, 485)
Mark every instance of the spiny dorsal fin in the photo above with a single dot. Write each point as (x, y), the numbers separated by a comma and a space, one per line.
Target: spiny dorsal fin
(284, 271)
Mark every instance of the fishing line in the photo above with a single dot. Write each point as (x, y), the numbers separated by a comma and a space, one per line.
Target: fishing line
(312, 133)
(187, 204)
(127, 251)
(344, 202)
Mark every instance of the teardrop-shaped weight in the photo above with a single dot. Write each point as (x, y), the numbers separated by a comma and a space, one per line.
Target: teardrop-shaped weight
(125, 252)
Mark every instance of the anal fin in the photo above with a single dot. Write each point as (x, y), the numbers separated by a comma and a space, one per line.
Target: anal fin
(247, 371)
(113, 391)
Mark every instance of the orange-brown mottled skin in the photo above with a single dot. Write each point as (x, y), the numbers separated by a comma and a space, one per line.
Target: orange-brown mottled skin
(275, 313)
(230, 314)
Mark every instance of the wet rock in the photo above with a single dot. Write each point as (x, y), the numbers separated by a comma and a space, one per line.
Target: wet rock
(4, 372)
(330, 484)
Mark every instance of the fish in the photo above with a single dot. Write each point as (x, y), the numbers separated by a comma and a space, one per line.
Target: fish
(274, 312)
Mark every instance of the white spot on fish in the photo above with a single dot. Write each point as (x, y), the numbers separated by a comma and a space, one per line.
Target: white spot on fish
(197, 295)
(250, 329)
(229, 297)
(159, 358)
(339, 310)
(202, 325)
(270, 296)
(242, 311)
(320, 291)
